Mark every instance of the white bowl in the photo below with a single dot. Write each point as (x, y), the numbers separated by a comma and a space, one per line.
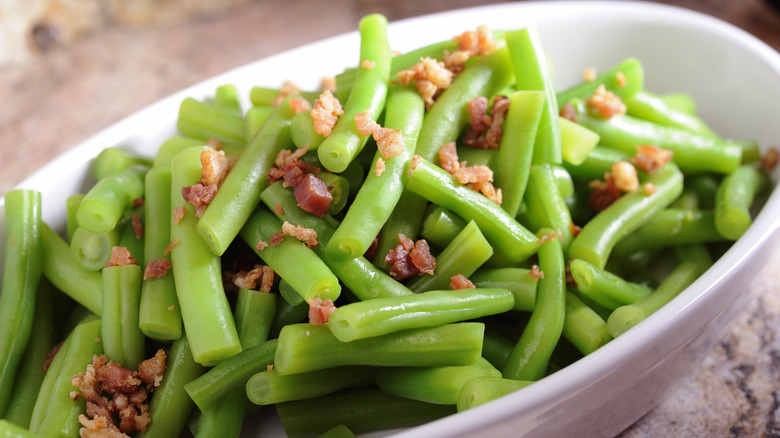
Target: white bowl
(735, 79)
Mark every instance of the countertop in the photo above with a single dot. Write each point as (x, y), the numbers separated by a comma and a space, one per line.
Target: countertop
(68, 93)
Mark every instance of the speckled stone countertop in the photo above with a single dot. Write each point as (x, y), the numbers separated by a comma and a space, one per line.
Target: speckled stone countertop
(67, 94)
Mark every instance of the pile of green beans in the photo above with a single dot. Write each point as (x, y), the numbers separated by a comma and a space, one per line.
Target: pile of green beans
(552, 279)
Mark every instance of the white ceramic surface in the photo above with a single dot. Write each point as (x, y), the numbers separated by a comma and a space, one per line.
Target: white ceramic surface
(736, 81)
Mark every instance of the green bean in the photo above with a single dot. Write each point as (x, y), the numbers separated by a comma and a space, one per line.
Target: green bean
(527, 121)
(197, 275)
(72, 205)
(706, 188)
(604, 287)
(381, 316)
(114, 160)
(286, 314)
(171, 405)
(597, 238)
(128, 238)
(339, 431)
(269, 387)
(465, 254)
(231, 373)
(440, 226)
(159, 315)
(379, 195)
(289, 294)
(102, 207)
(751, 153)
(646, 106)
(406, 219)
(531, 355)
(302, 131)
(484, 389)
(688, 199)
(529, 62)
(598, 162)
(308, 275)
(496, 349)
(734, 198)
(254, 314)
(583, 327)
(682, 102)
(546, 206)
(239, 194)
(10, 430)
(368, 94)
(123, 341)
(626, 317)
(172, 146)
(226, 96)
(204, 121)
(264, 96)
(359, 411)
(307, 347)
(55, 413)
(92, 250)
(339, 188)
(62, 269)
(577, 142)
(448, 116)
(634, 81)
(440, 385)
(502, 230)
(225, 418)
(21, 275)
(365, 280)
(516, 280)
(255, 117)
(671, 227)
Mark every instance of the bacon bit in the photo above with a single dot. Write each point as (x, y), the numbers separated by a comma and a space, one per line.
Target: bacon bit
(603, 193)
(268, 280)
(535, 273)
(287, 89)
(99, 427)
(299, 105)
(406, 243)
(325, 113)
(607, 103)
(290, 168)
(320, 310)
(649, 188)
(293, 177)
(650, 158)
(490, 192)
(474, 174)
(97, 338)
(305, 235)
(157, 268)
(368, 64)
(485, 131)
(214, 143)
(215, 167)
(151, 370)
(278, 209)
(171, 307)
(248, 279)
(138, 202)
(371, 251)
(770, 159)
(448, 158)
(390, 142)
(574, 229)
(430, 77)
(138, 228)
(170, 246)
(620, 77)
(178, 214)
(276, 239)
(50, 355)
(199, 196)
(422, 258)
(549, 237)
(260, 245)
(568, 112)
(413, 163)
(401, 266)
(286, 156)
(470, 44)
(329, 83)
(459, 281)
(589, 74)
(379, 168)
(478, 178)
(313, 196)
(625, 176)
(120, 256)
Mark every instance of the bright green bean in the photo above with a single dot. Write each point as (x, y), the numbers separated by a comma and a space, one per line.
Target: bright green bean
(114, 160)
(583, 327)
(255, 117)
(496, 349)
(204, 121)
(62, 269)
(123, 341)
(672, 227)
(406, 219)
(646, 106)
(270, 387)
(734, 198)
(172, 146)
(92, 250)
(254, 314)
(546, 206)
(302, 131)
(72, 206)
(634, 81)
(339, 188)
(102, 207)
(226, 96)
(577, 142)
(598, 161)
(484, 389)
(604, 287)
(440, 226)
(516, 280)
(11, 430)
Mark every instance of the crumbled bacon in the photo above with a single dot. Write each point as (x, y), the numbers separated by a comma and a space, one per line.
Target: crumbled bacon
(430, 77)
(410, 258)
(364, 124)
(489, 190)
(178, 214)
(138, 228)
(649, 188)
(390, 142)
(299, 105)
(116, 397)
(401, 266)
(485, 131)
(470, 44)
(305, 235)
(448, 158)
(170, 246)
(313, 196)
(379, 168)
(278, 209)
(215, 167)
(276, 239)
(293, 177)
(289, 167)
(625, 176)
(603, 193)
(589, 74)
(199, 196)
(328, 83)
(477, 178)
(621, 80)
(260, 245)
(459, 281)
(650, 158)
(287, 89)
(535, 273)
(371, 251)
(214, 143)
(248, 279)
(138, 202)
(325, 113)
(769, 159)
(413, 163)
(574, 229)
(406, 243)
(422, 258)
(474, 174)
(157, 268)
(120, 256)
(549, 237)
(568, 112)
(607, 103)
(320, 310)
(367, 64)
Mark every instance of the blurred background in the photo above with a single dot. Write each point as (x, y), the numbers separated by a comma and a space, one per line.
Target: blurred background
(69, 68)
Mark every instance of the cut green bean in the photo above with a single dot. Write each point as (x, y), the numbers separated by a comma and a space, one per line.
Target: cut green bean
(516, 280)
(496, 349)
(102, 207)
(577, 142)
(289, 294)
(672, 227)
(197, 274)
(440, 226)
(604, 287)
(307, 347)
(598, 162)
(92, 250)
(123, 341)
(72, 204)
(114, 160)
(10, 430)
(226, 96)
(406, 219)
(204, 121)
(172, 146)
(583, 327)
(254, 314)
(302, 131)
(646, 106)
(546, 206)
(269, 387)
(264, 96)
(287, 313)
(382, 316)
(339, 188)
(682, 102)
(255, 117)
(482, 390)
(734, 198)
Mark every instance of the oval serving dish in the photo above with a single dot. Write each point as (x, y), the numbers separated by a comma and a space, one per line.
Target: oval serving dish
(735, 80)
